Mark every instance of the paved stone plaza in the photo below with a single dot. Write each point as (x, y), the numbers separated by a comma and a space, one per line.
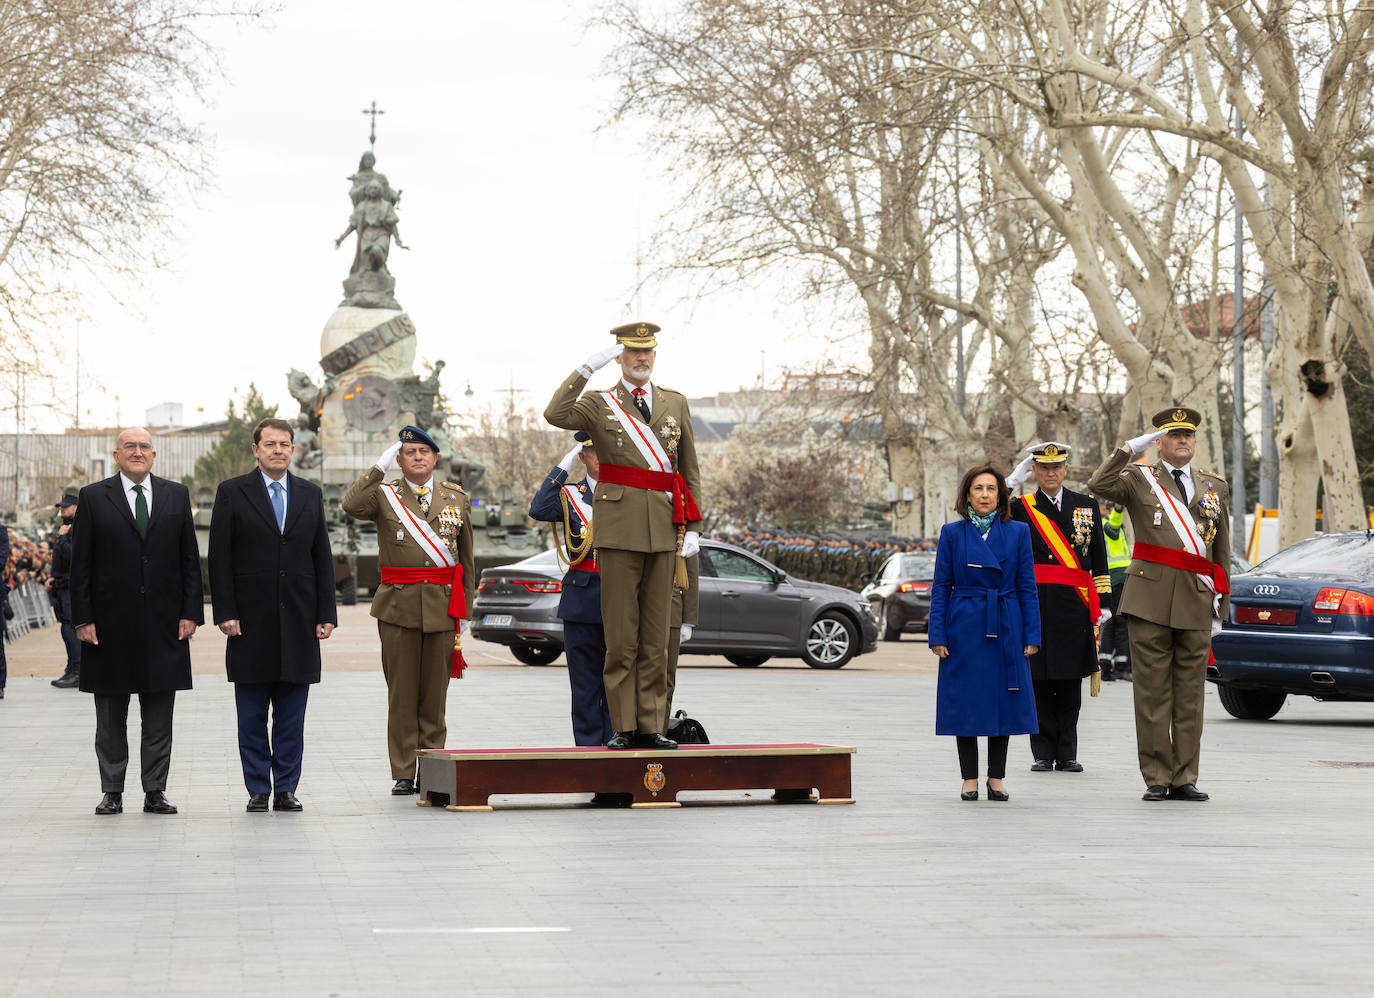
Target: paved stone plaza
(1075, 887)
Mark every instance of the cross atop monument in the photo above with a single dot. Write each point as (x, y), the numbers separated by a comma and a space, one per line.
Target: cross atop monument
(373, 111)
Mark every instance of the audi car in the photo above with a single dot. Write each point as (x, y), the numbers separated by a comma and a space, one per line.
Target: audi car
(749, 611)
(1301, 623)
(899, 594)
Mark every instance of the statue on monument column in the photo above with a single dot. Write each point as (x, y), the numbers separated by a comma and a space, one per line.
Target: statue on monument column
(369, 284)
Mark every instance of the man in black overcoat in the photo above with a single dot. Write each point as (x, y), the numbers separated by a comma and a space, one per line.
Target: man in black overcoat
(136, 601)
(272, 587)
(1074, 588)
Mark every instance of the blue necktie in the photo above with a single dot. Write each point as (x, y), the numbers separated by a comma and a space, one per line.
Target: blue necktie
(279, 506)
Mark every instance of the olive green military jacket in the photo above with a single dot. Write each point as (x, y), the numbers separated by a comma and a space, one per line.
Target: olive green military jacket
(1172, 597)
(421, 605)
(628, 518)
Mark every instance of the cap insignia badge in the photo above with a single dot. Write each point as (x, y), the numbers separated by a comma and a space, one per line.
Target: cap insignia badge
(1051, 450)
(1180, 415)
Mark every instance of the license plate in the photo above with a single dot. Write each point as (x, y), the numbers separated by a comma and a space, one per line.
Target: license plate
(497, 620)
(1275, 616)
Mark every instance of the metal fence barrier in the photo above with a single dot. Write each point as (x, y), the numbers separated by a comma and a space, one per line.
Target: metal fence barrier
(29, 601)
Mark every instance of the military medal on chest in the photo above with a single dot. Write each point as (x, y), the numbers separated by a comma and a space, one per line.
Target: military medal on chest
(1082, 526)
(450, 520)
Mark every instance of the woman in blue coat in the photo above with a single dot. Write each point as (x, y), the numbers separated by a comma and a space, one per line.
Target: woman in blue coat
(984, 625)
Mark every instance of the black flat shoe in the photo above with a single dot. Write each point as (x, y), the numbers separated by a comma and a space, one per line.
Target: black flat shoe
(286, 802)
(968, 794)
(612, 800)
(1041, 766)
(1071, 766)
(257, 802)
(403, 787)
(156, 803)
(1155, 792)
(1188, 791)
(621, 740)
(110, 804)
(997, 794)
(653, 740)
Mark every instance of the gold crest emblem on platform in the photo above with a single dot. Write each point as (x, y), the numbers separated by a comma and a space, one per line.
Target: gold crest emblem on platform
(654, 780)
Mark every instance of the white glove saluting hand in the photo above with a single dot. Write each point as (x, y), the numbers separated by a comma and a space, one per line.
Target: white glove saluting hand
(599, 360)
(567, 463)
(1140, 443)
(1020, 473)
(691, 543)
(388, 456)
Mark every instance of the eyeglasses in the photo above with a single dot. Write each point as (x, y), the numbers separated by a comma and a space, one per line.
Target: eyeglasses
(136, 447)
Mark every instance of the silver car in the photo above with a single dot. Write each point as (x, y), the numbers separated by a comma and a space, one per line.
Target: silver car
(749, 611)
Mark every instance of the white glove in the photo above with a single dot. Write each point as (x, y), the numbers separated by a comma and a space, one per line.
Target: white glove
(1216, 627)
(1139, 444)
(686, 634)
(1104, 616)
(388, 456)
(567, 463)
(599, 360)
(1020, 473)
(691, 543)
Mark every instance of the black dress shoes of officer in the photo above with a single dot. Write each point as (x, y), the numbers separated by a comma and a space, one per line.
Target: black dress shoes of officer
(1188, 791)
(997, 794)
(286, 802)
(69, 680)
(653, 740)
(612, 800)
(154, 802)
(402, 787)
(1155, 792)
(1071, 766)
(257, 802)
(110, 804)
(621, 740)
(1041, 766)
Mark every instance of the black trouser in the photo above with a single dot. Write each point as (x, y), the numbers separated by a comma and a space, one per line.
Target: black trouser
(1115, 644)
(112, 739)
(1057, 702)
(968, 756)
(68, 631)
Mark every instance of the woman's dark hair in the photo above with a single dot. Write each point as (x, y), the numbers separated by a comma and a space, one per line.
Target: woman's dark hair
(1003, 493)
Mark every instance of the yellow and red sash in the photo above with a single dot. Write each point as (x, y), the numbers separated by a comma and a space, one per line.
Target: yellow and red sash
(1069, 572)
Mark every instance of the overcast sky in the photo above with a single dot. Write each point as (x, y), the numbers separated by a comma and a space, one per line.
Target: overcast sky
(521, 216)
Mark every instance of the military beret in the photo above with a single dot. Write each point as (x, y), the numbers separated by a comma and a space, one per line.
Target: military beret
(415, 435)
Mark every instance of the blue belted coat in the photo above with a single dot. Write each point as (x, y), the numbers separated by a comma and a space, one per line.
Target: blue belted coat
(983, 607)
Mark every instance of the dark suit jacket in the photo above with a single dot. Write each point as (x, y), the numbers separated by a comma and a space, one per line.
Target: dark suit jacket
(581, 599)
(1070, 648)
(278, 584)
(135, 590)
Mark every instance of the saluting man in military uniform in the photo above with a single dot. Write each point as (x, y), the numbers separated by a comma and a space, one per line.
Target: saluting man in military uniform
(646, 521)
(1175, 596)
(1074, 589)
(424, 548)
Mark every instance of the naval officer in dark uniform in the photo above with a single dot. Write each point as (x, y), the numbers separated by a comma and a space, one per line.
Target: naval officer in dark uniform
(1074, 592)
(584, 638)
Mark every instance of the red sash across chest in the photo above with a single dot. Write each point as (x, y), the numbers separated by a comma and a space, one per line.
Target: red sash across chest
(684, 506)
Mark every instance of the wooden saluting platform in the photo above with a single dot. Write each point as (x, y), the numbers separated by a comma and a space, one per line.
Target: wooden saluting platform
(464, 779)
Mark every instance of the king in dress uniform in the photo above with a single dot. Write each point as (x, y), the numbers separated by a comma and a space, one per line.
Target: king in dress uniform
(424, 548)
(1072, 584)
(646, 521)
(1175, 595)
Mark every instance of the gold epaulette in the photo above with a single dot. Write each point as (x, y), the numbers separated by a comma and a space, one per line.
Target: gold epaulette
(454, 486)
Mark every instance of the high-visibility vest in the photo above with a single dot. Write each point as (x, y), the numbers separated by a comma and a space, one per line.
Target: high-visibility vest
(1118, 551)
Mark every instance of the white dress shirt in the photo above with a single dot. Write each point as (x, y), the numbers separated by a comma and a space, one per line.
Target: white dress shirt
(132, 496)
(1189, 490)
(423, 485)
(1057, 498)
(648, 395)
(267, 482)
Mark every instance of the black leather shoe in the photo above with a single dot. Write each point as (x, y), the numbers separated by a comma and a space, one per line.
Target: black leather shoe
(156, 803)
(1188, 791)
(1155, 792)
(403, 787)
(2, 693)
(286, 802)
(968, 794)
(612, 800)
(1071, 766)
(1041, 766)
(621, 740)
(997, 794)
(110, 804)
(67, 681)
(653, 740)
(257, 802)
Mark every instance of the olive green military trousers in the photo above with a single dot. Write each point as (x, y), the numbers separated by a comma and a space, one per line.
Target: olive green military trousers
(636, 597)
(416, 665)
(1168, 671)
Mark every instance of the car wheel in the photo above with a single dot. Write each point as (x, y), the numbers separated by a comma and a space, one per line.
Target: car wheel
(747, 661)
(891, 632)
(536, 654)
(348, 591)
(1250, 704)
(830, 641)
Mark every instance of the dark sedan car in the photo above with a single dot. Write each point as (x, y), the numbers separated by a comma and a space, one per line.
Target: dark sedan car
(1302, 622)
(750, 611)
(899, 594)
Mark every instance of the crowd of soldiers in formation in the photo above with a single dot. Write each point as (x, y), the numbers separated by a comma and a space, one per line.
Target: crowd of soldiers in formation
(829, 558)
